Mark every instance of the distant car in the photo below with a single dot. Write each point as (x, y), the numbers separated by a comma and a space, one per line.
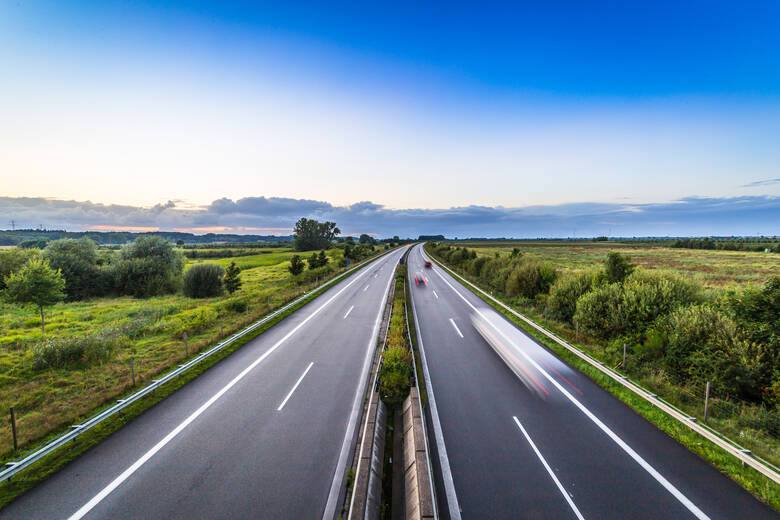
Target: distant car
(419, 280)
(428, 264)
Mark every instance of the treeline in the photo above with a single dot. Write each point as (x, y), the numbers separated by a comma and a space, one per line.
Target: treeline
(35, 237)
(221, 253)
(740, 244)
(670, 325)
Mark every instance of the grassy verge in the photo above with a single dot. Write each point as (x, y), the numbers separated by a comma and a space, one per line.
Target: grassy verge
(759, 485)
(29, 477)
(412, 330)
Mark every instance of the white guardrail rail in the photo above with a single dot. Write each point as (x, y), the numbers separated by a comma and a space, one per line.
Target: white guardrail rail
(745, 455)
(11, 468)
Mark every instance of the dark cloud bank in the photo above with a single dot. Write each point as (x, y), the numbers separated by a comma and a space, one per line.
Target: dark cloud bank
(693, 216)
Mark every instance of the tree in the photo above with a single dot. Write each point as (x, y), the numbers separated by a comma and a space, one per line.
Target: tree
(618, 267)
(14, 259)
(365, 239)
(313, 263)
(36, 284)
(296, 265)
(322, 260)
(203, 280)
(232, 278)
(78, 262)
(311, 235)
(148, 267)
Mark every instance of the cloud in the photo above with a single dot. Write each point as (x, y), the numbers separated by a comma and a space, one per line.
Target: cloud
(748, 215)
(765, 182)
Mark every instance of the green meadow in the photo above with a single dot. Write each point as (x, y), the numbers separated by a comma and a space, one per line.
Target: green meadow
(148, 331)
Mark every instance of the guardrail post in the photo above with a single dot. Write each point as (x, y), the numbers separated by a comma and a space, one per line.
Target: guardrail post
(624, 356)
(132, 369)
(706, 400)
(247, 314)
(578, 330)
(221, 328)
(186, 349)
(13, 429)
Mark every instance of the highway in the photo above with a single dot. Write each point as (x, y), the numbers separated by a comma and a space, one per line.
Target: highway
(541, 440)
(265, 433)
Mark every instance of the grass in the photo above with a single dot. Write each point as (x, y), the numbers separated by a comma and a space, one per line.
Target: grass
(713, 269)
(762, 487)
(49, 400)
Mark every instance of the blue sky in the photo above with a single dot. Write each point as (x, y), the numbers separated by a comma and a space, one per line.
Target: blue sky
(413, 107)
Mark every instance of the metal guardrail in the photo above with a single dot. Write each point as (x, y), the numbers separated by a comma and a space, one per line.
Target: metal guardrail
(761, 465)
(11, 468)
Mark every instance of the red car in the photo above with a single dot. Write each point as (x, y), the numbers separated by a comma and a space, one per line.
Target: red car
(419, 280)
(428, 264)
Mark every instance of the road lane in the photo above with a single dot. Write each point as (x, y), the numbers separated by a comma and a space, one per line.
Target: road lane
(241, 457)
(494, 468)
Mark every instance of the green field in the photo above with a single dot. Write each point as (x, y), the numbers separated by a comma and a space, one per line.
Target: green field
(715, 269)
(151, 332)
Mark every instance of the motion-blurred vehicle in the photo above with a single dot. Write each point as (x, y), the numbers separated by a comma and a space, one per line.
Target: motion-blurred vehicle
(497, 333)
(420, 280)
(428, 264)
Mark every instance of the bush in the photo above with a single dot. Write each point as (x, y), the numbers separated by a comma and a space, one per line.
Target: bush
(609, 311)
(565, 292)
(204, 281)
(617, 267)
(195, 321)
(703, 344)
(296, 265)
(148, 267)
(529, 278)
(69, 352)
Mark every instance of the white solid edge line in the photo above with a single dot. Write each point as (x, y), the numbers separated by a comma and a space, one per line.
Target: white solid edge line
(295, 386)
(350, 310)
(549, 470)
(437, 296)
(86, 508)
(441, 449)
(456, 327)
(698, 513)
(341, 465)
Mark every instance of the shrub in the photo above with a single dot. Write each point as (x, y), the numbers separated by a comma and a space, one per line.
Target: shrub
(203, 280)
(149, 266)
(529, 278)
(78, 262)
(611, 310)
(68, 352)
(565, 292)
(196, 320)
(703, 344)
(296, 265)
(617, 267)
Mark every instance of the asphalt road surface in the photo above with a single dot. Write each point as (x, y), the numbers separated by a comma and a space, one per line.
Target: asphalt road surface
(539, 439)
(262, 434)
